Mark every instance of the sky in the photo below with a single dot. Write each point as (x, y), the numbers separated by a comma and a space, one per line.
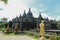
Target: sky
(47, 8)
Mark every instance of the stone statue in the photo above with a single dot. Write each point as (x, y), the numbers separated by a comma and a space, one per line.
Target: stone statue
(16, 28)
(7, 29)
(42, 30)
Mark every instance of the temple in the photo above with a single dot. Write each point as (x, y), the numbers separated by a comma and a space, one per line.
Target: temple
(28, 21)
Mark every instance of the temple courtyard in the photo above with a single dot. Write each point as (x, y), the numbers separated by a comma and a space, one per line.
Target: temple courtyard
(21, 37)
(15, 37)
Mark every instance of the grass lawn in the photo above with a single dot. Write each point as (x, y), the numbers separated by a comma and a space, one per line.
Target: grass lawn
(35, 37)
(10, 34)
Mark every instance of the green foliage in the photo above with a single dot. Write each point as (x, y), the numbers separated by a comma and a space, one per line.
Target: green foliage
(2, 26)
(5, 1)
(58, 24)
(3, 29)
(4, 19)
(11, 34)
(54, 37)
(57, 38)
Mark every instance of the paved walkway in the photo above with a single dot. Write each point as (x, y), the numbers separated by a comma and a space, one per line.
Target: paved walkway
(15, 38)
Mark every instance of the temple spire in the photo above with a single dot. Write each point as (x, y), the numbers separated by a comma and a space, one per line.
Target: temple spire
(20, 16)
(40, 17)
(29, 9)
(24, 11)
(47, 18)
(24, 14)
(40, 14)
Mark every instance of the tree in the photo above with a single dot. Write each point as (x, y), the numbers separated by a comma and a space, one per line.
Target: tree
(58, 24)
(5, 1)
(4, 19)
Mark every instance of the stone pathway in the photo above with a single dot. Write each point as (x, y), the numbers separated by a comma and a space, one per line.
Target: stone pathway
(1, 33)
(15, 38)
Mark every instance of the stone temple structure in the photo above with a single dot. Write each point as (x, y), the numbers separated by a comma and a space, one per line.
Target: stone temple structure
(28, 21)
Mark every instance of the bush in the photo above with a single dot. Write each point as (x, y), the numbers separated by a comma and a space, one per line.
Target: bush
(57, 38)
(54, 37)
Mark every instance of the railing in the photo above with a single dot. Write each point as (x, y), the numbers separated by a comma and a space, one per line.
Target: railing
(52, 30)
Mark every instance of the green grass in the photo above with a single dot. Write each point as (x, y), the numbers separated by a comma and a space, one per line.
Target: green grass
(10, 34)
(2, 28)
(35, 36)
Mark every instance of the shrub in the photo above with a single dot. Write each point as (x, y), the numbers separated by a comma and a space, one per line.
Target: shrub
(54, 37)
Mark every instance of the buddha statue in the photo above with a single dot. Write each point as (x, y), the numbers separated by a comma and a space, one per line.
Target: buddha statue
(42, 30)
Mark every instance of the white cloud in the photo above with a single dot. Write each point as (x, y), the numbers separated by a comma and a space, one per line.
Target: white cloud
(44, 15)
(12, 9)
(58, 18)
(2, 5)
(16, 7)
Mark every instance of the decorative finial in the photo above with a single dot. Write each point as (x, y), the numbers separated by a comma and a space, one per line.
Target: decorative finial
(29, 9)
(20, 15)
(40, 13)
(47, 18)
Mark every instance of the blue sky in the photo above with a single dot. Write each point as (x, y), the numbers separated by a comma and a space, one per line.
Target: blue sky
(48, 8)
(51, 7)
